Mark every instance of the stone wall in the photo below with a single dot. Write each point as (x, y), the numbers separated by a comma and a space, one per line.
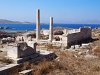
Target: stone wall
(64, 41)
(20, 50)
(78, 37)
(21, 38)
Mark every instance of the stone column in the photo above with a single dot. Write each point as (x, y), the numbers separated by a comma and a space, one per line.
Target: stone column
(37, 25)
(51, 29)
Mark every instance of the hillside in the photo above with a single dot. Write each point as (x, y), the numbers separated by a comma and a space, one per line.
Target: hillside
(3, 21)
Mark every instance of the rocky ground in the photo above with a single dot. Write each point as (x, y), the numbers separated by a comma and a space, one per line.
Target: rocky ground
(79, 61)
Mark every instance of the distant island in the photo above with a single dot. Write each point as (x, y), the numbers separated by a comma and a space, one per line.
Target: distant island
(3, 21)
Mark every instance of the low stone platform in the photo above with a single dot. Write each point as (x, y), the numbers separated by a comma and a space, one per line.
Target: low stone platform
(28, 58)
(8, 68)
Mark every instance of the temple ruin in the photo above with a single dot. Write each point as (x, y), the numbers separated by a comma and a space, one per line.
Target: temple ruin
(25, 47)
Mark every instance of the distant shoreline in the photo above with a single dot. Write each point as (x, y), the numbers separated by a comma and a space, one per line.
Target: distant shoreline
(30, 27)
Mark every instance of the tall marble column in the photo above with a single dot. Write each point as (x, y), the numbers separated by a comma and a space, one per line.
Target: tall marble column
(51, 29)
(37, 25)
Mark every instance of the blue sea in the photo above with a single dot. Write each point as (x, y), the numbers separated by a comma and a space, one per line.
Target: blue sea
(28, 27)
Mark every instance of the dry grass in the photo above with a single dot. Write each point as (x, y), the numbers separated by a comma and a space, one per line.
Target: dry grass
(41, 68)
(66, 64)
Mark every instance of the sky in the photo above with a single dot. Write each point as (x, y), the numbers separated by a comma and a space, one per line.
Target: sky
(63, 11)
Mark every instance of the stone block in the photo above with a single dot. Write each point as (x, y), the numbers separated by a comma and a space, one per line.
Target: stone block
(32, 44)
(19, 50)
(26, 72)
